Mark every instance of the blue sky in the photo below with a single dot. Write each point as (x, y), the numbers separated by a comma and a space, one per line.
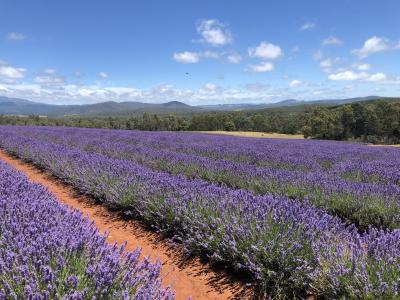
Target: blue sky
(198, 52)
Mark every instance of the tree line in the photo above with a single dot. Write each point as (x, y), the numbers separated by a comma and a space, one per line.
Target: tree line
(376, 122)
(371, 121)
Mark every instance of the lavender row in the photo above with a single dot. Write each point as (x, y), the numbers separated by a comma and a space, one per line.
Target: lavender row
(378, 162)
(295, 154)
(290, 248)
(50, 252)
(363, 202)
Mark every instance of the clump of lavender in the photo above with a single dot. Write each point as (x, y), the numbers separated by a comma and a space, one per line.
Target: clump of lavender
(48, 251)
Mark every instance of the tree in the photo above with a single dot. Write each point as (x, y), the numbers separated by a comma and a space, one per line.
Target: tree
(347, 121)
(229, 126)
(306, 131)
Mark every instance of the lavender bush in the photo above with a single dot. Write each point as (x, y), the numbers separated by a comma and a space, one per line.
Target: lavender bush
(291, 248)
(50, 252)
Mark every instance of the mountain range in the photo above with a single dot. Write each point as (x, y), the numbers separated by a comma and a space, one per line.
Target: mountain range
(15, 106)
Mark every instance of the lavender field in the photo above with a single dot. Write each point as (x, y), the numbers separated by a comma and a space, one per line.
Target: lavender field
(299, 217)
(48, 251)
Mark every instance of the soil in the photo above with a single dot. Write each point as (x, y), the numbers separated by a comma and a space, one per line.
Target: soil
(189, 277)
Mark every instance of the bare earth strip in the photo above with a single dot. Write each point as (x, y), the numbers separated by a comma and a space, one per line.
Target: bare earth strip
(189, 277)
(384, 145)
(256, 134)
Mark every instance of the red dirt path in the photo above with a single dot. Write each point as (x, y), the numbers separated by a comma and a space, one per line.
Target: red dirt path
(189, 277)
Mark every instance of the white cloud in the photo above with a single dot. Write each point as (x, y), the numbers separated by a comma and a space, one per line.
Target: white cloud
(50, 71)
(295, 83)
(48, 80)
(378, 77)
(372, 45)
(234, 58)
(209, 54)
(348, 75)
(257, 87)
(187, 57)
(16, 36)
(307, 26)
(265, 51)
(296, 49)
(331, 41)
(209, 89)
(103, 75)
(214, 32)
(398, 45)
(328, 63)
(10, 72)
(318, 55)
(262, 67)
(363, 76)
(363, 67)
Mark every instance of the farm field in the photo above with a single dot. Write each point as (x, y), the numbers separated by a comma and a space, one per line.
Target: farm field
(51, 252)
(299, 217)
(186, 276)
(257, 134)
(385, 145)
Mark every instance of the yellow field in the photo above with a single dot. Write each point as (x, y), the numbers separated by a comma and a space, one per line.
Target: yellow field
(256, 134)
(385, 145)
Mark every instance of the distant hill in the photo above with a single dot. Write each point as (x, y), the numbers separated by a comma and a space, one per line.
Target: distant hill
(15, 106)
(286, 103)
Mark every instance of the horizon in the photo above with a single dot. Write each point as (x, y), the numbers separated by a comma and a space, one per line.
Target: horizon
(213, 53)
(362, 98)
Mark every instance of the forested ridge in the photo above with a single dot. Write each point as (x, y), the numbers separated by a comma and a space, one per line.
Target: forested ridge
(376, 121)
